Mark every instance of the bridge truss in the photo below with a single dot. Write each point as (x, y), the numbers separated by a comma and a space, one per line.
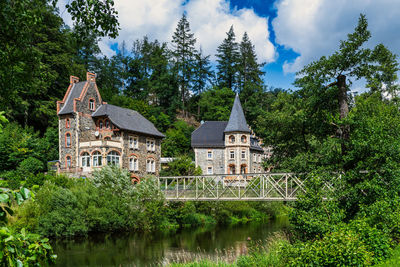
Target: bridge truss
(243, 187)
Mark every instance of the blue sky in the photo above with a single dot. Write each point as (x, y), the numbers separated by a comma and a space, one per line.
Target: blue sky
(287, 34)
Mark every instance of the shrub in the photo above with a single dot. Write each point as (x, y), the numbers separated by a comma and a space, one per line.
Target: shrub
(24, 249)
(339, 248)
(31, 165)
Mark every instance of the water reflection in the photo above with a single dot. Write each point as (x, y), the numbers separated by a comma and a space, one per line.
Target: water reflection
(132, 249)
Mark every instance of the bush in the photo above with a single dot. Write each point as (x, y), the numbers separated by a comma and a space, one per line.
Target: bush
(339, 248)
(31, 165)
(24, 249)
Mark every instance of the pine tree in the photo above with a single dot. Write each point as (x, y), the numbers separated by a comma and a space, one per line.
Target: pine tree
(183, 42)
(202, 75)
(227, 59)
(249, 70)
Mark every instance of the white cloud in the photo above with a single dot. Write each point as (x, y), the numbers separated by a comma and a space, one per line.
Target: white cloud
(209, 21)
(313, 28)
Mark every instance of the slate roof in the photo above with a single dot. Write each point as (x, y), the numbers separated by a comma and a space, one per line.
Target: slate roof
(127, 119)
(75, 92)
(254, 145)
(209, 134)
(237, 121)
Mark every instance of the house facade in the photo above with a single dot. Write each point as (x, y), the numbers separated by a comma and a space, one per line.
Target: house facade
(228, 147)
(93, 134)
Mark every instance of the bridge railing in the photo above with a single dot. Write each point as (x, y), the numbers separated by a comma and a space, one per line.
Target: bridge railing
(228, 187)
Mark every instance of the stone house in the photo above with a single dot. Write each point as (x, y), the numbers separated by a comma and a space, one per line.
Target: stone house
(93, 133)
(228, 147)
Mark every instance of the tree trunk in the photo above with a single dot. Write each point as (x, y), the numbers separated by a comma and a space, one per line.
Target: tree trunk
(343, 105)
(344, 130)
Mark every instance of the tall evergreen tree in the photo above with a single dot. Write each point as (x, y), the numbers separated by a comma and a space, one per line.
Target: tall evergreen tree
(183, 42)
(227, 59)
(202, 75)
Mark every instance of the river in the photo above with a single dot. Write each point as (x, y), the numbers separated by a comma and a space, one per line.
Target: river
(133, 249)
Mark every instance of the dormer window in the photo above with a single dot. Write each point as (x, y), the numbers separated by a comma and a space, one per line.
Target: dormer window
(91, 104)
(243, 139)
(231, 139)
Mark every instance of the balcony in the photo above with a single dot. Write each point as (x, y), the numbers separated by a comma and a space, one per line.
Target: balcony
(100, 143)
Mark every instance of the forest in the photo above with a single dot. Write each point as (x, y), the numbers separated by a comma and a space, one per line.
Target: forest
(316, 128)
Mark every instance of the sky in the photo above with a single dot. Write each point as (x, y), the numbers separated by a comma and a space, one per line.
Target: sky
(287, 34)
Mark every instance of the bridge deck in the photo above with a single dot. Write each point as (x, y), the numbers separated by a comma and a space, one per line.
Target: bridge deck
(243, 187)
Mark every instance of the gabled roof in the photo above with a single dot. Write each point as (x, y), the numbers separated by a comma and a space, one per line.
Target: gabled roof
(237, 121)
(254, 145)
(209, 134)
(127, 119)
(75, 92)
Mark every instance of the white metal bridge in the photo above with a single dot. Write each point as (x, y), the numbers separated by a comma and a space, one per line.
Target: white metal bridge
(240, 187)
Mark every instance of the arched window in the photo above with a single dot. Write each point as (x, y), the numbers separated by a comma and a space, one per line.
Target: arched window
(231, 139)
(68, 162)
(133, 163)
(91, 104)
(107, 124)
(67, 123)
(113, 158)
(232, 169)
(67, 140)
(243, 139)
(100, 124)
(243, 168)
(107, 138)
(85, 159)
(97, 159)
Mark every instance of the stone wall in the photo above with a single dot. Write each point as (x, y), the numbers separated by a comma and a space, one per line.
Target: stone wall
(217, 162)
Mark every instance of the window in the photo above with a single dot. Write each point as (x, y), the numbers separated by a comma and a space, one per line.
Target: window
(133, 142)
(113, 158)
(151, 165)
(231, 139)
(107, 123)
(243, 154)
(97, 159)
(68, 161)
(100, 125)
(254, 157)
(244, 139)
(133, 164)
(67, 140)
(91, 104)
(259, 158)
(209, 155)
(150, 145)
(232, 154)
(85, 159)
(67, 123)
(107, 138)
(232, 169)
(209, 170)
(243, 168)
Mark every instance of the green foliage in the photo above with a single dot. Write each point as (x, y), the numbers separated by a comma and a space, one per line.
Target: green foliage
(216, 104)
(181, 166)
(24, 249)
(339, 248)
(31, 165)
(9, 197)
(178, 139)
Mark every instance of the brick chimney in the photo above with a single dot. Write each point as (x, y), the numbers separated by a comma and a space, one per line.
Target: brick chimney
(73, 79)
(91, 77)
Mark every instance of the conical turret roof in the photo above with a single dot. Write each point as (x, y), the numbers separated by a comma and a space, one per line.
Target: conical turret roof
(237, 121)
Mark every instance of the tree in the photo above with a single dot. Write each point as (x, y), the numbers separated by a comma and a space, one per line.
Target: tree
(177, 140)
(329, 75)
(202, 75)
(216, 104)
(183, 42)
(227, 61)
